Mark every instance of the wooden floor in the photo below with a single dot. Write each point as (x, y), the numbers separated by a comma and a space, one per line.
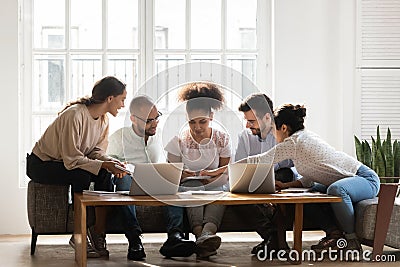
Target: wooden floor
(235, 251)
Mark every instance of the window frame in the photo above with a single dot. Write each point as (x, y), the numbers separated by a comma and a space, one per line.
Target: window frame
(146, 55)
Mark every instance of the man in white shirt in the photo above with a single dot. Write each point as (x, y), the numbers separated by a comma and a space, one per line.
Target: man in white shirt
(140, 143)
(255, 139)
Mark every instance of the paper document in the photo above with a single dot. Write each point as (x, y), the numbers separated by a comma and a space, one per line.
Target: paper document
(295, 190)
(99, 193)
(196, 178)
(301, 194)
(193, 192)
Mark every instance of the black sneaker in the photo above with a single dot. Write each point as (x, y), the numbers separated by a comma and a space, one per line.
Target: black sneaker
(259, 247)
(325, 243)
(98, 242)
(136, 250)
(90, 252)
(271, 247)
(353, 250)
(177, 246)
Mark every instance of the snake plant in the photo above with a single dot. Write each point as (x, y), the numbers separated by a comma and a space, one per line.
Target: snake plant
(382, 156)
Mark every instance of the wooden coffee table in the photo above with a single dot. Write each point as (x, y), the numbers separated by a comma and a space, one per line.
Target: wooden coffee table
(82, 201)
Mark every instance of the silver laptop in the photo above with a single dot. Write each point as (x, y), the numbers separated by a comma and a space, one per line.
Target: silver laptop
(257, 178)
(156, 179)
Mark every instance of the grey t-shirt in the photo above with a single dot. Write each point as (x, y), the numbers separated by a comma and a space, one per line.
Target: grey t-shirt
(250, 144)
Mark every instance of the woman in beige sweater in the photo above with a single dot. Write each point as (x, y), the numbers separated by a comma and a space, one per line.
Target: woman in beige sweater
(72, 150)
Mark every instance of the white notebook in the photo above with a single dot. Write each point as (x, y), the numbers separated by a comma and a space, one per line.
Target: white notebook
(99, 193)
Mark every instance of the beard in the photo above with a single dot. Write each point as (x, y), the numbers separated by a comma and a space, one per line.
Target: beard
(150, 131)
(256, 131)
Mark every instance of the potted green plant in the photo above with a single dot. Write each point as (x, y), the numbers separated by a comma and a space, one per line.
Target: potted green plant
(382, 156)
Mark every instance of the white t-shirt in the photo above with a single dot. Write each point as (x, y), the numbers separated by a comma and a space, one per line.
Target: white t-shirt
(126, 145)
(197, 157)
(314, 159)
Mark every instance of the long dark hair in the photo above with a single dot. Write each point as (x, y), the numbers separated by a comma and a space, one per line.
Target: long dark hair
(290, 115)
(107, 86)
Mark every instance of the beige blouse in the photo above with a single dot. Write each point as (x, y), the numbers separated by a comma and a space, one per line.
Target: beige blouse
(76, 139)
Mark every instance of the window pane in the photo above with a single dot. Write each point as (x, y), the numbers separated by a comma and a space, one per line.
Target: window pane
(206, 58)
(123, 24)
(206, 24)
(246, 65)
(169, 24)
(125, 68)
(49, 83)
(86, 24)
(40, 124)
(168, 81)
(241, 24)
(49, 27)
(85, 71)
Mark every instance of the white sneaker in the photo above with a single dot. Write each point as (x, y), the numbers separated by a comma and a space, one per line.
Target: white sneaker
(208, 241)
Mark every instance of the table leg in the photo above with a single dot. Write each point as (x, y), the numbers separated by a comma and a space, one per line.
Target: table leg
(80, 233)
(297, 229)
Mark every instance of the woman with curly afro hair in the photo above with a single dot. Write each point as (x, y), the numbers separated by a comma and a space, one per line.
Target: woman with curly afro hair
(202, 147)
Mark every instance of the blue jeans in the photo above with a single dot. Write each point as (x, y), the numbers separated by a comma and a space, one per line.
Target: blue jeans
(130, 220)
(353, 189)
(173, 216)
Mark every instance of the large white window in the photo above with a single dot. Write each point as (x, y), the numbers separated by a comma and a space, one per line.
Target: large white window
(67, 45)
(378, 66)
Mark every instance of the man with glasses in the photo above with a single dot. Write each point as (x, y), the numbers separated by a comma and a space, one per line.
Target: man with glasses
(139, 143)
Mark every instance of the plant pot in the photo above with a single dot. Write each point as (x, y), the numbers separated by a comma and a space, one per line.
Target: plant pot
(385, 180)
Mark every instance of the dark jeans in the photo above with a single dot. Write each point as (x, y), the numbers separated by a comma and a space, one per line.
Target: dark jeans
(128, 213)
(55, 173)
(173, 216)
(268, 216)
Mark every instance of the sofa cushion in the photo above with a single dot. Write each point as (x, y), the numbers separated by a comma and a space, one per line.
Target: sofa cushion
(365, 221)
(47, 207)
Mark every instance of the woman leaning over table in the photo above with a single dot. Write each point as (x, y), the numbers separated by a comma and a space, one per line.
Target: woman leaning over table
(318, 162)
(72, 151)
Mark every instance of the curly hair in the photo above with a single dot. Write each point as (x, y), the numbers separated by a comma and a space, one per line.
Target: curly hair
(208, 96)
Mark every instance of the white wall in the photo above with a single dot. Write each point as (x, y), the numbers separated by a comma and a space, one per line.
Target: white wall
(314, 65)
(314, 62)
(13, 217)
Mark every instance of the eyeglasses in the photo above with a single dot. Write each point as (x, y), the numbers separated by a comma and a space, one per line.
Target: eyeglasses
(251, 122)
(149, 121)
